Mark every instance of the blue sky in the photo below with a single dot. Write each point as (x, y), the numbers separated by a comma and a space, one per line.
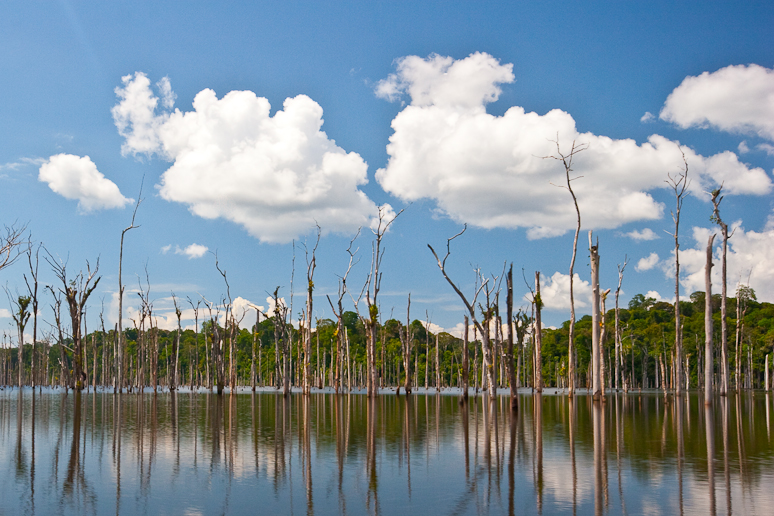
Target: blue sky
(603, 66)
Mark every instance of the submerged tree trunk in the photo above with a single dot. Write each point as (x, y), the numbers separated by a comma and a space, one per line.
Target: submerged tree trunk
(509, 356)
(724, 375)
(407, 339)
(465, 360)
(596, 362)
(679, 184)
(538, 337)
(708, 362)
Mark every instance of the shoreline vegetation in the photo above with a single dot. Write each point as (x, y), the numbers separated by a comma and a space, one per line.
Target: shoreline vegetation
(223, 359)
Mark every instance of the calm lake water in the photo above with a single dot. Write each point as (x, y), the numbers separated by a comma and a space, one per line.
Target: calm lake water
(192, 454)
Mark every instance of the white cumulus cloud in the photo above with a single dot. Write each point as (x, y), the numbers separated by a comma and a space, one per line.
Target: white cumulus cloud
(647, 263)
(737, 99)
(645, 234)
(277, 176)
(487, 170)
(77, 178)
(750, 253)
(555, 291)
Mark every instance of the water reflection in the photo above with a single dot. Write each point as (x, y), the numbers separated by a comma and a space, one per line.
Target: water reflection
(181, 453)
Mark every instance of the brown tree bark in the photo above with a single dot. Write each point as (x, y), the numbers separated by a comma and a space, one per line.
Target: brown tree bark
(708, 362)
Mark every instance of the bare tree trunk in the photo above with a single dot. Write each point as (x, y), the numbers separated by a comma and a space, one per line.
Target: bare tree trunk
(465, 360)
(538, 337)
(255, 338)
(708, 362)
(618, 350)
(407, 338)
(724, 376)
(566, 160)
(509, 356)
(596, 384)
(120, 353)
(679, 184)
(310, 266)
(34, 297)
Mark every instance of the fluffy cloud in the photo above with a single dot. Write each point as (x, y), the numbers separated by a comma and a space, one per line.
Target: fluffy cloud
(192, 251)
(77, 178)
(555, 292)
(750, 253)
(487, 170)
(275, 175)
(645, 234)
(647, 263)
(738, 99)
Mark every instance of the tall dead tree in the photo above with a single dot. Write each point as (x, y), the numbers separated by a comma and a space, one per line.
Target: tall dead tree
(407, 340)
(76, 292)
(470, 306)
(255, 340)
(372, 286)
(310, 266)
(12, 244)
(195, 309)
(538, 302)
(228, 305)
(174, 377)
(618, 353)
(679, 184)
(596, 355)
(119, 356)
(567, 160)
(340, 329)
(281, 342)
(724, 375)
(465, 359)
(20, 315)
(509, 354)
(33, 294)
(708, 362)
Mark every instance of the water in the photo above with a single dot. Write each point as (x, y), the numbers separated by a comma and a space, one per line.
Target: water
(192, 454)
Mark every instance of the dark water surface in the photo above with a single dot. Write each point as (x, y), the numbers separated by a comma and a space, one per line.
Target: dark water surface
(193, 454)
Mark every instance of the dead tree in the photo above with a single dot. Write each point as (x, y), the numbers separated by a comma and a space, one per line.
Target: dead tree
(173, 378)
(310, 266)
(708, 362)
(679, 184)
(12, 244)
(340, 329)
(406, 340)
(618, 353)
(465, 360)
(605, 372)
(33, 294)
(227, 305)
(509, 356)
(281, 343)
(470, 306)
(119, 385)
(596, 354)
(566, 160)
(538, 302)
(21, 316)
(372, 286)
(76, 292)
(724, 375)
(195, 309)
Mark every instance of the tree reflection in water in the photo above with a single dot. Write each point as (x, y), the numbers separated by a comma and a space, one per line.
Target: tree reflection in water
(148, 453)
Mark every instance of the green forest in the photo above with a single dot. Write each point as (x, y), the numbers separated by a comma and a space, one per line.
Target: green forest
(206, 358)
